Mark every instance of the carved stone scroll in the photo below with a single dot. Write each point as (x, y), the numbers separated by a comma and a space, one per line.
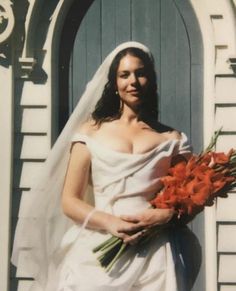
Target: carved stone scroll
(7, 20)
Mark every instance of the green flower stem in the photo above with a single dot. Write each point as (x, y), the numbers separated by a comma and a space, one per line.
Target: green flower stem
(232, 172)
(109, 256)
(112, 249)
(112, 242)
(213, 141)
(104, 244)
(109, 248)
(118, 255)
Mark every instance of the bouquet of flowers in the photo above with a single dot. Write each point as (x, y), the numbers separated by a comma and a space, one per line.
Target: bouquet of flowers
(189, 186)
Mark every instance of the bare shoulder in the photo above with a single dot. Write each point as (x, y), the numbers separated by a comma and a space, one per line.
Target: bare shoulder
(87, 128)
(173, 134)
(79, 149)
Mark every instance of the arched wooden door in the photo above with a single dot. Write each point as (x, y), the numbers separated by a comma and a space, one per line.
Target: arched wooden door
(170, 29)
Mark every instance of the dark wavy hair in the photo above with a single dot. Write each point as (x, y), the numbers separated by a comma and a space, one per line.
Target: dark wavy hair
(108, 106)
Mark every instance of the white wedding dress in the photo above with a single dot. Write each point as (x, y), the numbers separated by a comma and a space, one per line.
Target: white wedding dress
(122, 184)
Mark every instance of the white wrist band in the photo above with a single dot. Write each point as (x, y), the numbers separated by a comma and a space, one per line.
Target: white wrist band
(88, 217)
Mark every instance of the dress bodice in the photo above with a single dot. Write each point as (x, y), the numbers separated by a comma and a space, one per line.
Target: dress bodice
(123, 182)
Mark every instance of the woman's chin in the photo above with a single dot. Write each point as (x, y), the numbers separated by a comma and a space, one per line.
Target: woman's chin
(133, 101)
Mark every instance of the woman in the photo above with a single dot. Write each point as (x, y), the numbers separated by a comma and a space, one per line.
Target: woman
(121, 151)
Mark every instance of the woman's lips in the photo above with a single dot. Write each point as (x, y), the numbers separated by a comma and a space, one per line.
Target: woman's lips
(133, 92)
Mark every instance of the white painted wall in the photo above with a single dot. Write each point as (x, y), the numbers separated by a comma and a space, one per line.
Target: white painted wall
(217, 22)
(6, 144)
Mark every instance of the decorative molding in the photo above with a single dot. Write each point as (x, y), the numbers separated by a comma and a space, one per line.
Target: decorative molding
(27, 59)
(232, 62)
(27, 66)
(7, 20)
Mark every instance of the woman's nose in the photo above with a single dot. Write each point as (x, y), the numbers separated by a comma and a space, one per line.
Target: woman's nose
(133, 79)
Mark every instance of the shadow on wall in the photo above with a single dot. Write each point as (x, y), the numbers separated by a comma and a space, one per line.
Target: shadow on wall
(188, 257)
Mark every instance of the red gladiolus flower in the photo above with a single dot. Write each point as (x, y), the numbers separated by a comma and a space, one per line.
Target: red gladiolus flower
(220, 158)
(191, 185)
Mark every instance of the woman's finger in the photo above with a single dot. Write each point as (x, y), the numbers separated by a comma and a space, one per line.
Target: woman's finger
(131, 228)
(130, 218)
(135, 237)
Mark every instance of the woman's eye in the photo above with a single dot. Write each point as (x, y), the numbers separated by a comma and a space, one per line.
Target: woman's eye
(124, 76)
(141, 74)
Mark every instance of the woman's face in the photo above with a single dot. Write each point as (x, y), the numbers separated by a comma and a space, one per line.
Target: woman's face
(132, 81)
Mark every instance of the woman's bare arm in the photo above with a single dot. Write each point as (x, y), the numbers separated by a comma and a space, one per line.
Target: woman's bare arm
(75, 185)
(76, 181)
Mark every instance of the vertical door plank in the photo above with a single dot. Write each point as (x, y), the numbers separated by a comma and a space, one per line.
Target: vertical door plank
(78, 67)
(108, 22)
(93, 38)
(168, 100)
(84, 61)
(146, 25)
(115, 24)
(123, 26)
(183, 78)
(175, 70)
(196, 107)
(196, 80)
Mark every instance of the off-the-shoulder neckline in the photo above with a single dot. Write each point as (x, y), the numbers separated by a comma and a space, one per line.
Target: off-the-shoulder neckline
(158, 147)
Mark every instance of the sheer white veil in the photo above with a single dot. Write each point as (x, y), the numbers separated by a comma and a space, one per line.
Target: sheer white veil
(41, 223)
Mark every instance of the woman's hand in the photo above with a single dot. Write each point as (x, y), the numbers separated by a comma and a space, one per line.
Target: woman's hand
(146, 220)
(126, 230)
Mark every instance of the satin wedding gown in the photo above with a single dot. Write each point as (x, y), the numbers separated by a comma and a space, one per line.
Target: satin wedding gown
(122, 184)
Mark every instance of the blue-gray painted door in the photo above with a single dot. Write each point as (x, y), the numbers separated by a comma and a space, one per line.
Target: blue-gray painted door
(170, 29)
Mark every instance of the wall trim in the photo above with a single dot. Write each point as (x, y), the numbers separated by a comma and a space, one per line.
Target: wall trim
(6, 145)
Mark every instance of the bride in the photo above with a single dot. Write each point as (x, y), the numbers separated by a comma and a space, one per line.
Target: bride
(113, 145)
